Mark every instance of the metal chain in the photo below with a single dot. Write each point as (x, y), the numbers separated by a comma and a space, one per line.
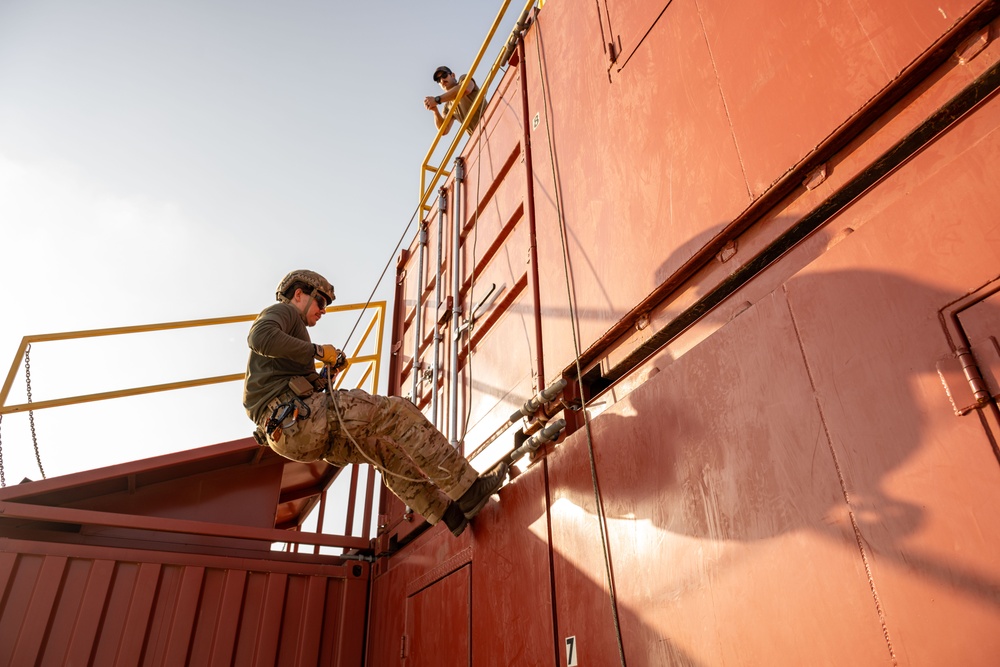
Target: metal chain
(3, 478)
(31, 413)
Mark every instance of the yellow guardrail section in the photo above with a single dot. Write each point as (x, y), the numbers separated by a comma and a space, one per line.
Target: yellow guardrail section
(371, 369)
(439, 171)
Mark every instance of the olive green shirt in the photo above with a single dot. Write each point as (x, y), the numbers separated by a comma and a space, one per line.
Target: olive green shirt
(465, 104)
(280, 349)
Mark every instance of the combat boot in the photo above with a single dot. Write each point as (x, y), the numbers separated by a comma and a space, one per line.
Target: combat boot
(455, 519)
(479, 493)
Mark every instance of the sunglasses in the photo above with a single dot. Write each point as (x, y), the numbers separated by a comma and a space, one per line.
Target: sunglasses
(440, 76)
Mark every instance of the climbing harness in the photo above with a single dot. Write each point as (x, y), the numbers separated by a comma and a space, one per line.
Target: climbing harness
(284, 415)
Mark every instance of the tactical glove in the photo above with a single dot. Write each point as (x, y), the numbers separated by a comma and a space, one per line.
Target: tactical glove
(328, 354)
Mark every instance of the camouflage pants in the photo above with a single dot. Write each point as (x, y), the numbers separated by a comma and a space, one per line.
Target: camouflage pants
(416, 461)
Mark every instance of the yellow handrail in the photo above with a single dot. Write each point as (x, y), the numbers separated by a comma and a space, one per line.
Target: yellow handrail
(373, 361)
(439, 171)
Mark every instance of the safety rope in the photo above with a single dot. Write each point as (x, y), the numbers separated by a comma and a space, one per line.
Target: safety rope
(31, 413)
(381, 277)
(574, 324)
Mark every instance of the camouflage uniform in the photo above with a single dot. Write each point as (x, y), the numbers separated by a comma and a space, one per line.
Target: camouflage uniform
(415, 459)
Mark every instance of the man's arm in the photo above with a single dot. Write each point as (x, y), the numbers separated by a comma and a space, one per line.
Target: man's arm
(268, 338)
(470, 90)
(438, 118)
(449, 96)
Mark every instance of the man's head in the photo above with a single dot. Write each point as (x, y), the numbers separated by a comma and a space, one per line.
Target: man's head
(308, 291)
(445, 78)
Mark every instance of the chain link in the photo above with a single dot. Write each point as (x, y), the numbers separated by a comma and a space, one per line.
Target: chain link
(3, 478)
(31, 413)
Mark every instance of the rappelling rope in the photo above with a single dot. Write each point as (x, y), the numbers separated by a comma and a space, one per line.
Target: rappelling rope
(378, 282)
(574, 324)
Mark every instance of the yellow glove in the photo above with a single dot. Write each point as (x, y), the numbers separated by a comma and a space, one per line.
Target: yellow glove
(328, 354)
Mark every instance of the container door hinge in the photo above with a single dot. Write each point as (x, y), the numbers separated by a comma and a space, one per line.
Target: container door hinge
(971, 377)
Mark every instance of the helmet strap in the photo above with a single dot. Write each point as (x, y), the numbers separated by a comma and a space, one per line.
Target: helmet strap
(304, 310)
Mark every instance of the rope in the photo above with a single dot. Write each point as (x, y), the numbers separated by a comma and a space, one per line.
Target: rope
(574, 323)
(392, 255)
(385, 270)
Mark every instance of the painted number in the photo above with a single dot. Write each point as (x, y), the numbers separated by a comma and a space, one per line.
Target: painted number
(571, 652)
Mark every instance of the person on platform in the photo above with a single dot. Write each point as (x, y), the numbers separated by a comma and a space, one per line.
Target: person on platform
(300, 417)
(445, 78)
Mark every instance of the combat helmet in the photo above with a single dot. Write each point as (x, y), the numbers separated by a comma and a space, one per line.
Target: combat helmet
(310, 278)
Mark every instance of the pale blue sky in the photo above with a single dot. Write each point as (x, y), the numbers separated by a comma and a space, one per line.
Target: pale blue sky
(171, 160)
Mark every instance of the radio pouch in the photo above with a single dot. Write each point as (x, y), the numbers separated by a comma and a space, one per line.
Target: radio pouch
(300, 386)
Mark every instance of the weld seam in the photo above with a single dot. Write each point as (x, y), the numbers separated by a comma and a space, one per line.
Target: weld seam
(859, 539)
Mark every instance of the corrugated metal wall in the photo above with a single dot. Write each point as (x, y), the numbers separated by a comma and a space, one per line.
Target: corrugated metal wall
(79, 605)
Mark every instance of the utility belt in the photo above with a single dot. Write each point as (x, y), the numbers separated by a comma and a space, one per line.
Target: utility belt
(284, 410)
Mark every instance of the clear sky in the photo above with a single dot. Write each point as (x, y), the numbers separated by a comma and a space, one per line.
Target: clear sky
(171, 160)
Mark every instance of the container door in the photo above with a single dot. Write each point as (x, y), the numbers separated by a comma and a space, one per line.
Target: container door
(437, 623)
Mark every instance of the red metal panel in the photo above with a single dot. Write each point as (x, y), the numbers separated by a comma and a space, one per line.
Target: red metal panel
(36, 616)
(923, 483)
(773, 72)
(628, 23)
(18, 595)
(203, 640)
(91, 609)
(898, 31)
(437, 623)
(65, 612)
(717, 466)
(262, 632)
(137, 616)
(228, 621)
(511, 577)
(344, 631)
(646, 168)
(437, 548)
(173, 624)
(67, 606)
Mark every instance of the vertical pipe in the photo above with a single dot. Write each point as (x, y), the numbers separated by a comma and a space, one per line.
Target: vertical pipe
(352, 500)
(366, 520)
(442, 206)
(530, 206)
(418, 316)
(321, 519)
(456, 299)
